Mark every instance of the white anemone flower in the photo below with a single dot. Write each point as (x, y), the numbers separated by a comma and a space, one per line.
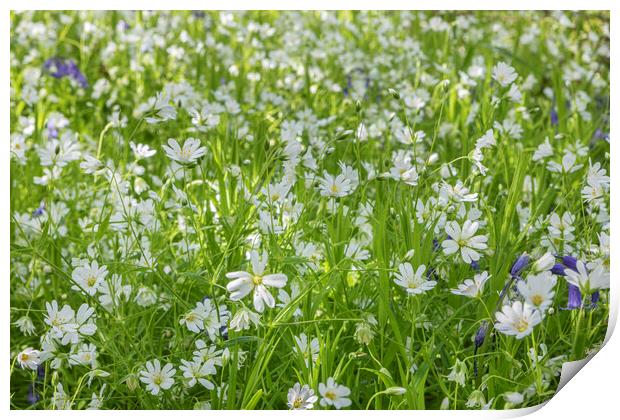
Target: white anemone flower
(335, 186)
(186, 154)
(415, 283)
(517, 319)
(301, 397)
(504, 74)
(334, 394)
(472, 288)
(243, 282)
(538, 290)
(464, 240)
(157, 378)
(89, 277)
(29, 358)
(198, 372)
(588, 281)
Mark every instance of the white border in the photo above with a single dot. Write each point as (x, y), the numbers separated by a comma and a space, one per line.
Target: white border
(593, 393)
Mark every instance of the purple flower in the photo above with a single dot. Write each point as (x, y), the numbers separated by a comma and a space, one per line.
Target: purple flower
(61, 67)
(39, 211)
(481, 334)
(554, 117)
(475, 265)
(570, 262)
(33, 396)
(519, 265)
(574, 297)
(558, 269)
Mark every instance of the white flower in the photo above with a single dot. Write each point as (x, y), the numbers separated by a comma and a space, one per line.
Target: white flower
(588, 279)
(25, 325)
(544, 150)
(517, 319)
(514, 398)
(161, 109)
(188, 153)
(89, 277)
(82, 324)
(415, 283)
(90, 165)
(487, 140)
(404, 171)
(458, 373)
(205, 316)
(60, 399)
(141, 151)
(301, 398)
(568, 164)
(157, 378)
(338, 186)
(464, 240)
(206, 353)
(243, 319)
(538, 290)
(309, 350)
(544, 263)
(334, 394)
(29, 358)
(197, 372)
(85, 355)
(243, 282)
(472, 288)
(504, 74)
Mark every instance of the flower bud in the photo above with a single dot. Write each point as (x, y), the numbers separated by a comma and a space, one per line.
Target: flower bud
(519, 264)
(394, 94)
(395, 390)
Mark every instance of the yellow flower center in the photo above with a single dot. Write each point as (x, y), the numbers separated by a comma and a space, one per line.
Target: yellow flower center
(521, 325)
(537, 300)
(157, 379)
(91, 280)
(257, 280)
(330, 395)
(25, 357)
(334, 188)
(297, 403)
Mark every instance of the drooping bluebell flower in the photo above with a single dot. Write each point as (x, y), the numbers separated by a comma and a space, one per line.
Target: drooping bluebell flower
(41, 371)
(436, 246)
(224, 332)
(574, 297)
(601, 135)
(554, 117)
(478, 342)
(474, 265)
(52, 130)
(594, 299)
(519, 265)
(558, 269)
(33, 396)
(570, 262)
(481, 334)
(39, 210)
(574, 294)
(59, 67)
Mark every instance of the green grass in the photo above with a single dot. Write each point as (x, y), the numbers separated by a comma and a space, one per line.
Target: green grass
(377, 60)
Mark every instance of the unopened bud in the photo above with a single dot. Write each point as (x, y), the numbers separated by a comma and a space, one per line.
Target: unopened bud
(395, 390)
